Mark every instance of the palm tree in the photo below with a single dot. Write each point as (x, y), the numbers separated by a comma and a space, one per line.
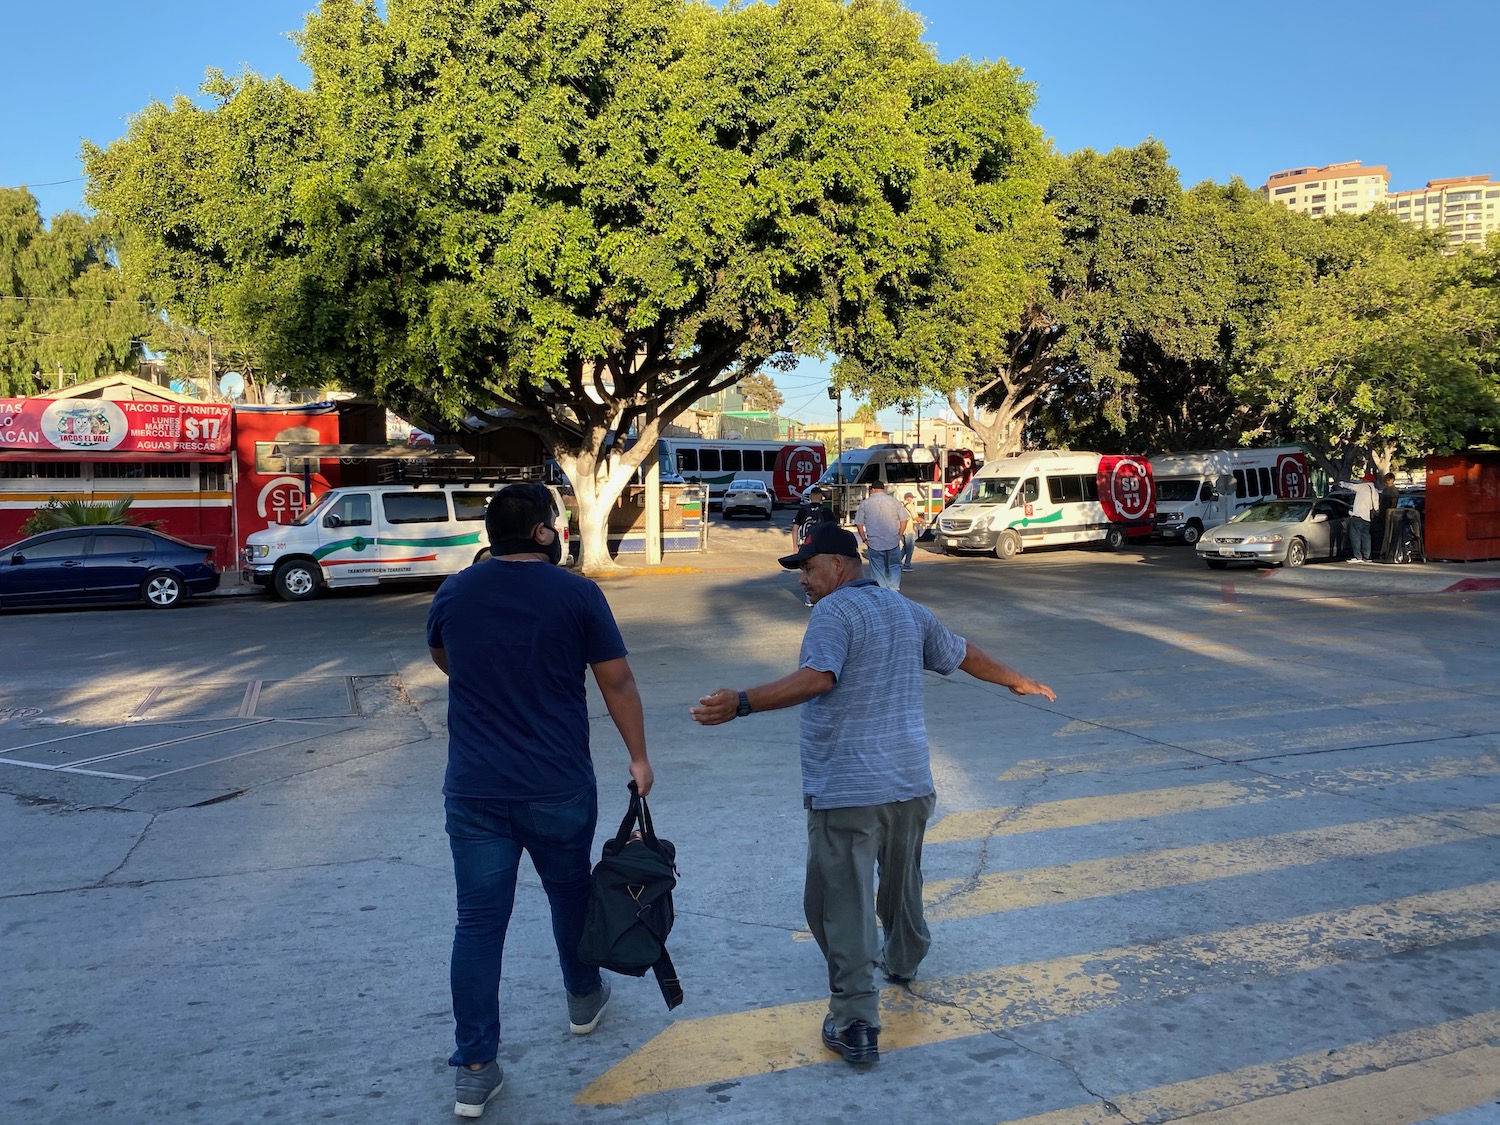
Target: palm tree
(57, 513)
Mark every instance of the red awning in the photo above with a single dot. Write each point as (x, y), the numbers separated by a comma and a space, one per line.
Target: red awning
(135, 456)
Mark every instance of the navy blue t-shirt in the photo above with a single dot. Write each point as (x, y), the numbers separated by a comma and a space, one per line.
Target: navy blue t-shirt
(519, 637)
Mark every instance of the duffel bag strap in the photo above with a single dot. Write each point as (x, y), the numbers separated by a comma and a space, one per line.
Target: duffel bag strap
(666, 979)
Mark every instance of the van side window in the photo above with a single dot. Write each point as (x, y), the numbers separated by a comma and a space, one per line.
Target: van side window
(1030, 490)
(1090, 487)
(708, 460)
(415, 507)
(870, 472)
(470, 505)
(730, 460)
(1245, 486)
(687, 460)
(353, 510)
(1206, 492)
(1266, 487)
(1065, 490)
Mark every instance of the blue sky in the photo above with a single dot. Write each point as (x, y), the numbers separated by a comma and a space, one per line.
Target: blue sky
(1230, 89)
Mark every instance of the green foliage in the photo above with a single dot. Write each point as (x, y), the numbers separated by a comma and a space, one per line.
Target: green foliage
(64, 307)
(761, 393)
(1380, 354)
(587, 212)
(55, 514)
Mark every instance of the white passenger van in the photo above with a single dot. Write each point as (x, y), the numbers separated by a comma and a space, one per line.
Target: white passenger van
(364, 535)
(1050, 498)
(1203, 488)
(847, 481)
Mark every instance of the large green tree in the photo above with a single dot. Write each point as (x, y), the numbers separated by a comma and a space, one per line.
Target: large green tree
(1378, 356)
(587, 213)
(64, 306)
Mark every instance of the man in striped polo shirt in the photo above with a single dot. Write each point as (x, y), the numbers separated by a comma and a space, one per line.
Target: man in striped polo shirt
(866, 773)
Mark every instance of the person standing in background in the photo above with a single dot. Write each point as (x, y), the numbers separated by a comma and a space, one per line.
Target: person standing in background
(1362, 511)
(915, 524)
(881, 523)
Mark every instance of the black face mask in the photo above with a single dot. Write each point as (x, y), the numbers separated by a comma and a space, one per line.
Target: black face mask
(528, 546)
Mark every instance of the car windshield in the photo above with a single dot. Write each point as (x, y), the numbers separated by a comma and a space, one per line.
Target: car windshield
(310, 514)
(1277, 511)
(987, 490)
(1176, 490)
(844, 469)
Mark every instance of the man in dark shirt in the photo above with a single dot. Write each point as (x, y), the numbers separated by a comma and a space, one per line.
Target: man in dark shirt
(514, 635)
(1390, 496)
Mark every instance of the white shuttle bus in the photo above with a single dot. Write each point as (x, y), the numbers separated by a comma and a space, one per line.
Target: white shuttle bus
(1051, 498)
(1203, 488)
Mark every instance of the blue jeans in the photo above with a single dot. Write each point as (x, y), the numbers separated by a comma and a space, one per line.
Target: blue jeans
(1359, 538)
(908, 546)
(487, 838)
(885, 567)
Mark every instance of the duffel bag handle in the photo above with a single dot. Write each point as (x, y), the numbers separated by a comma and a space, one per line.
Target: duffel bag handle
(638, 813)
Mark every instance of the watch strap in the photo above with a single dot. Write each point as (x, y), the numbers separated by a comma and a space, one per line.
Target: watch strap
(744, 708)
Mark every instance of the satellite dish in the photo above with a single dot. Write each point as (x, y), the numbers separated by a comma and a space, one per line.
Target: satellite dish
(232, 384)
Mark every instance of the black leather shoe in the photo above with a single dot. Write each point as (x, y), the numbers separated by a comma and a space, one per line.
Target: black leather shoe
(858, 1043)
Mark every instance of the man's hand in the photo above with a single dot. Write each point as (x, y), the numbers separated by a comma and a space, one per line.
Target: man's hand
(1028, 686)
(642, 775)
(716, 708)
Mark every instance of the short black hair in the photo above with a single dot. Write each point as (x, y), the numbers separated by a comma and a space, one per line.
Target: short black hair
(515, 510)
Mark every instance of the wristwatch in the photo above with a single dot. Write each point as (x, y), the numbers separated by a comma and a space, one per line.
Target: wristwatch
(744, 708)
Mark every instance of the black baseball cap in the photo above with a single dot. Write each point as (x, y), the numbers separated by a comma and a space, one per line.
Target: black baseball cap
(827, 538)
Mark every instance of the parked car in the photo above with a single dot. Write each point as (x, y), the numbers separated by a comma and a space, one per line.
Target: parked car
(748, 498)
(104, 564)
(1280, 533)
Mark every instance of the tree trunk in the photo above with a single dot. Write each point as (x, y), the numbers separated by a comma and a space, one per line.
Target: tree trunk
(597, 483)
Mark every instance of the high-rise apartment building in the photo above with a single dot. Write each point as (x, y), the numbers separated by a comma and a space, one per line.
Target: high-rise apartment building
(1335, 189)
(1465, 208)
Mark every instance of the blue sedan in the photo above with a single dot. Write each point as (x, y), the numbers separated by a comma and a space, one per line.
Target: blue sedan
(104, 564)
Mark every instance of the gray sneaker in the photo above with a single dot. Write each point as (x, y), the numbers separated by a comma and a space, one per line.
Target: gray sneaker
(473, 1089)
(584, 1012)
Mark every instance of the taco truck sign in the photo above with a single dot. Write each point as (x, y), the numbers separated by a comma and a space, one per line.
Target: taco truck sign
(97, 425)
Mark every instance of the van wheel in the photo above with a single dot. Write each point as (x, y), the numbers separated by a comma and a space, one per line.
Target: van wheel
(1192, 533)
(298, 581)
(1008, 546)
(1296, 553)
(1115, 538)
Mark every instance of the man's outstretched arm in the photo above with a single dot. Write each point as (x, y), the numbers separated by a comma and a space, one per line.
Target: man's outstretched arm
(982, 666)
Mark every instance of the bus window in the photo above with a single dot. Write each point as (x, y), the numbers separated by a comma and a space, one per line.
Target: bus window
(753, 461)
(708, 460)
(730, 460)
(687, 460)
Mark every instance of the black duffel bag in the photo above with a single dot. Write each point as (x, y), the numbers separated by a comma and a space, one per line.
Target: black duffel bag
(630, 903)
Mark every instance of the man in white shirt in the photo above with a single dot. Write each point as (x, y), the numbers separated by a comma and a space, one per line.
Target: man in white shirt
(1366, 498)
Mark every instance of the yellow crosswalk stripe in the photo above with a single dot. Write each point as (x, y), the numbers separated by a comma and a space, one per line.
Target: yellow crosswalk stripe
(1398, 1080)
(697, 1052)
(1201, 863)
(976, 824)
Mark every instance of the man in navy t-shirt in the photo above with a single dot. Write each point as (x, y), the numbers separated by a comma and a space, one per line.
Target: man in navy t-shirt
(514, 635)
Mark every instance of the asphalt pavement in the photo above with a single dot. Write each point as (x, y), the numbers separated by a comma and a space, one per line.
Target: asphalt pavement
(1241, 872)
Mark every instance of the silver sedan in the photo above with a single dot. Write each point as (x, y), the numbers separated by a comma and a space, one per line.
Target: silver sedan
(1280, 533)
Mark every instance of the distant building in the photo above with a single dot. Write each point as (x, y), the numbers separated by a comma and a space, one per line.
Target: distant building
(1465, 208)
(1334, 189)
